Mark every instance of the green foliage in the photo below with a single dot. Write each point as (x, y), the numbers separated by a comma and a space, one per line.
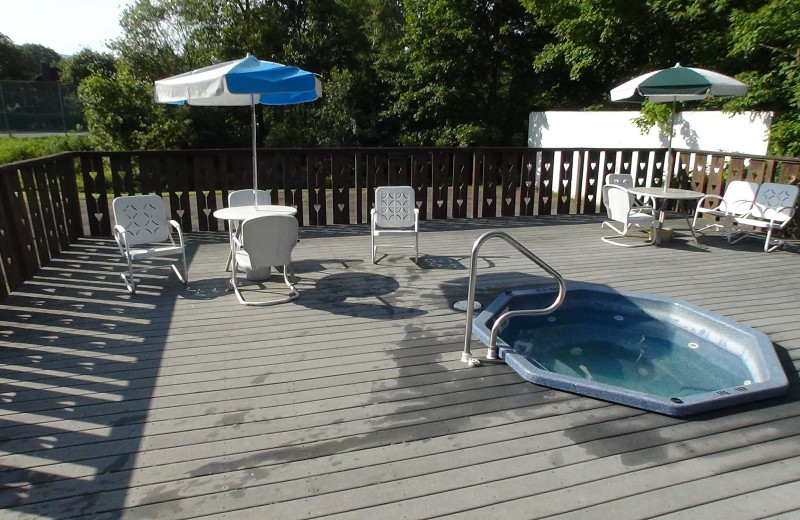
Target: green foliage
(768, 38)
(11, 60)
(656, 114)
(13, 149)
(24, 62)
(87, 63)
(122, 116)
(429, 72)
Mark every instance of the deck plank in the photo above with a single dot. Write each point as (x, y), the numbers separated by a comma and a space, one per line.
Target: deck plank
(352, 401)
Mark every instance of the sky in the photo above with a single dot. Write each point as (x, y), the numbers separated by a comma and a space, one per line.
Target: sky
(66, 26)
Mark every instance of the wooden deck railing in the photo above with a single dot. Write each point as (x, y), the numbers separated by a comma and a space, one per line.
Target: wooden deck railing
(43, 211)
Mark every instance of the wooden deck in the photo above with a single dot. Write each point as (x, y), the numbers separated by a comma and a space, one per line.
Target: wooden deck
(351, 402)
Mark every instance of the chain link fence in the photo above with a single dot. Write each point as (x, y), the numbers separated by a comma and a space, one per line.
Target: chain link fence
(39, 106)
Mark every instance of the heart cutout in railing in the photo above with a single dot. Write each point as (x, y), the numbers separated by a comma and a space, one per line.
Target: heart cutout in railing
(98, 216)
(459, 201)
(546, 182)
(545, 199)
(528, 184)
(180, 213)
(317, 207)
(341, 207)
(440, 203)
(527, 200)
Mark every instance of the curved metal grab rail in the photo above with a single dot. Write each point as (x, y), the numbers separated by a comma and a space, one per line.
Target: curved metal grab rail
(466, 356)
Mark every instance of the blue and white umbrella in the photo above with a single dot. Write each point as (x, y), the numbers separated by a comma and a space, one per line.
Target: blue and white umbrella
(248, 81)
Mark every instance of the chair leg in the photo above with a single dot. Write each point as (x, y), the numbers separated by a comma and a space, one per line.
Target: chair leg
(622, 233)
(691, 228)
(293, 292)
(130, 282)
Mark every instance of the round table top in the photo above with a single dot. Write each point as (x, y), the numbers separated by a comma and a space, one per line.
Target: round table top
(246, 212)
(669, 193)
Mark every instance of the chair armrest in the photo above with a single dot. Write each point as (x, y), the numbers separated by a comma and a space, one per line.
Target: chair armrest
(121, 238)
(710, 197)
(174, 223)
(776, 211)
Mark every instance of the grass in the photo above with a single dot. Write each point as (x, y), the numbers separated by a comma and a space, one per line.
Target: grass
(13, 149)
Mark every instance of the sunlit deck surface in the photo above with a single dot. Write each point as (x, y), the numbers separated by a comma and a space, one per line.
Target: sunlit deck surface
(352, 401)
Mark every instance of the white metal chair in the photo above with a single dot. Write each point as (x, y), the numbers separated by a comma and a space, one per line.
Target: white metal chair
(735, 202)
(245, 198)
(626, 181)
(241, 198)
(620, 210)
(395, 214)
(772, 211)
(264, 242)
(142, 232)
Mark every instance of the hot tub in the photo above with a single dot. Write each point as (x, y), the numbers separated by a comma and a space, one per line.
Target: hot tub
(651, 352)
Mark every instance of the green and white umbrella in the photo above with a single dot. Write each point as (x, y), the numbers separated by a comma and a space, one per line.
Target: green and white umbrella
(677, 84)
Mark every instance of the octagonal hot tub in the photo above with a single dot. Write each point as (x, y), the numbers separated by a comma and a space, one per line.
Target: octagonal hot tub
(651, 352)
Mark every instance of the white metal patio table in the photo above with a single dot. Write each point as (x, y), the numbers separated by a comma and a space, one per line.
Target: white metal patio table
(660, 197)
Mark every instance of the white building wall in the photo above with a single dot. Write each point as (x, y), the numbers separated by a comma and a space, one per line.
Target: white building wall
(746, 133)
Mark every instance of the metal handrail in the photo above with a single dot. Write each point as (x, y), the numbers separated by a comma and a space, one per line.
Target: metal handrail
(466, 356)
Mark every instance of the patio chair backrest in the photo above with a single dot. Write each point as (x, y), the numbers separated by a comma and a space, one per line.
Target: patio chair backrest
(739, 196)
(775, 201)
(143, 218)
(620, 179)
(394, 207)
(240, 198)
(269, 240)
(617, 201)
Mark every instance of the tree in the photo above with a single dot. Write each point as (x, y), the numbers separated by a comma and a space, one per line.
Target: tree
(769, 39)
(88, 63)
(11, 60)
(121, 115)
(464, 70)
(595, 45)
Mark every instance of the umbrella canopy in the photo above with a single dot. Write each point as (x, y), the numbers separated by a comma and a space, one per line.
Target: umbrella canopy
(677, 84)
(248, 81)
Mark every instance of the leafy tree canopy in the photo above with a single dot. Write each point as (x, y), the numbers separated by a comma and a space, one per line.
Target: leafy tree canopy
(422, 72)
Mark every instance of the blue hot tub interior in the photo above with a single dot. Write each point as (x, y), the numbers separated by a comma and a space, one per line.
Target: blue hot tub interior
(642, 350)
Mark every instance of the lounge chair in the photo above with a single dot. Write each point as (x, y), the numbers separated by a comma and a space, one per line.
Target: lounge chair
(620, 211)
(240, 198)
(626, 181)
(772, 211)
(142, 232)
(735, 202)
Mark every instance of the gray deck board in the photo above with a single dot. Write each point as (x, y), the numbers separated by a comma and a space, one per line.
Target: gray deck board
(352, 402)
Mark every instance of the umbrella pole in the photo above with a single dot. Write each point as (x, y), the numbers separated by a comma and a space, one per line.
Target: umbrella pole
(666, 179)
(255, 159)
